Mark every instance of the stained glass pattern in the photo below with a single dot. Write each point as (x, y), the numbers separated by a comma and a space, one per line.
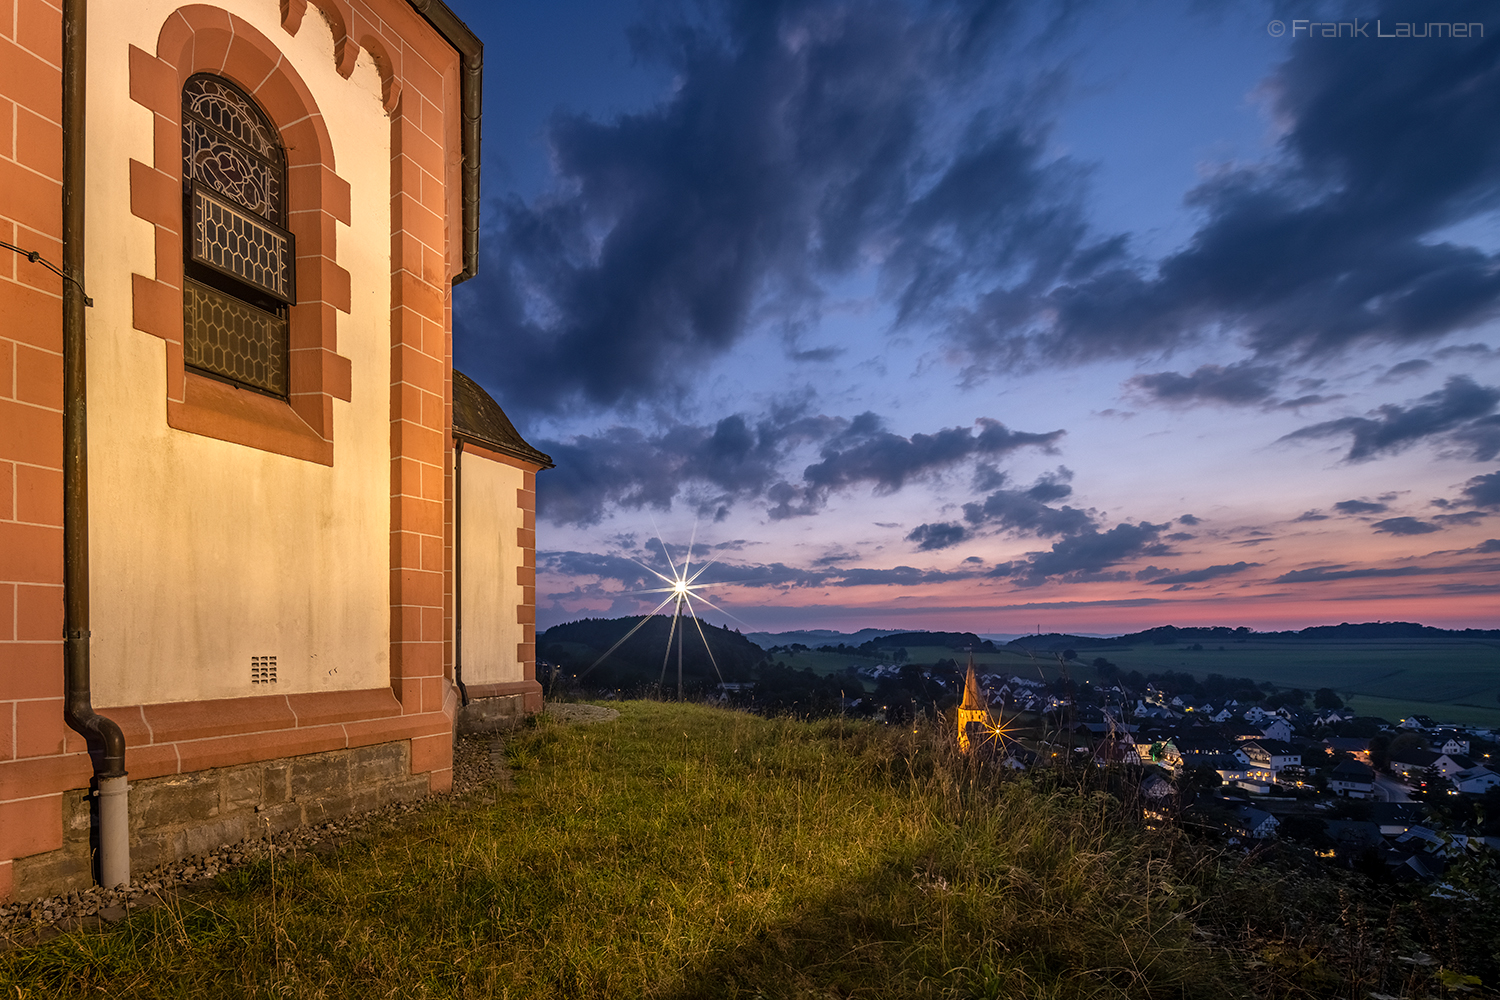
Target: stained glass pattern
(230, 338)
(228, 146)
(241, 244)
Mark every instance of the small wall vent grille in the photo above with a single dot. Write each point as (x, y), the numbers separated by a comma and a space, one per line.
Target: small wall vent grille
(262, 670)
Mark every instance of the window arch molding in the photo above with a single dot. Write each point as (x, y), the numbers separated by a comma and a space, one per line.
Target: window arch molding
(202, 39)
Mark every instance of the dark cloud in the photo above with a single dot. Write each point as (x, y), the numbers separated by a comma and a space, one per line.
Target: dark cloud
(1189, 520)
(1480, 438)
(1324, 574)
(735, 459)
(802, 139)
(1089, 554)
(1311, 515)
(1406, 526)
(866, 452)
(1467, 519)
(1200, 575)
(1239, 384)
(1455, 411)
(1180, 536)
(1405, 368)
(1333, 242)
(1026, 510)
(1483, 491)
(1359, 507)
(942, 535)
(1488, 545)
(633, 576)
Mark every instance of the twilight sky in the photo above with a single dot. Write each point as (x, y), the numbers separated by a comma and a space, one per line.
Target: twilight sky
(1091, 316)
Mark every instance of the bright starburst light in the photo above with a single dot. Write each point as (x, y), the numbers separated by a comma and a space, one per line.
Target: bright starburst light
(682, 587)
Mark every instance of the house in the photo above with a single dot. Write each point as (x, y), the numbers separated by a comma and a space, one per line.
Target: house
(1276, 729)
(1395, 817)
(1454, 744)
(1256, 823)
(1450, 764)
(1412, 761)
(1352, 779)
(1357, 747)
(1264, 759)
(1235, 730)
(1475, 780)
(1231, 769)
(232, 581)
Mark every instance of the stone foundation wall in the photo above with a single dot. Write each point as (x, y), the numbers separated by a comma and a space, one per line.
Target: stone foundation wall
(488, 715)
(178, 815)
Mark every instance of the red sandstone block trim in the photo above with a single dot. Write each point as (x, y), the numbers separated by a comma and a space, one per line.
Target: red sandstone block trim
(156, 307)
(7, 883)
(405, 727)
(339, 372)
(30, 826)
(343, 706)
(32, 776)
(218, 410)
(226, 751)
(196, 720)
(151, 761)
(502, 689)
(153, 83)
(431, 753)
(439, 782)
(155, 196)
(31, 669)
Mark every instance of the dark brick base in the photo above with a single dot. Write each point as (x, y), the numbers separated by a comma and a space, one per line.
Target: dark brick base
(179, 815)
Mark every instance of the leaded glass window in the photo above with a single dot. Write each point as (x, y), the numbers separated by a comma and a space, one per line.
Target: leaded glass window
(239, 259)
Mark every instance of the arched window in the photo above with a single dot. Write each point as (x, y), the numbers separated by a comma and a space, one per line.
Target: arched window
(239, 260)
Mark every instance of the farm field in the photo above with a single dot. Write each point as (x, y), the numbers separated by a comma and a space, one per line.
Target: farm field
(1455, 680)
(1437, 677)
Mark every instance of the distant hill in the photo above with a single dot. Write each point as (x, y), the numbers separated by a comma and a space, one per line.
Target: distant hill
(576, 646)
(1165, 635)
(952, 640)
(815, 637)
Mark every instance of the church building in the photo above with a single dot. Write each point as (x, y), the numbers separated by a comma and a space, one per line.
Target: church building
(263, 552)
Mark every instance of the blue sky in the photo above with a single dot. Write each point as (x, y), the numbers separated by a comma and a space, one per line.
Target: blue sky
(995, 315)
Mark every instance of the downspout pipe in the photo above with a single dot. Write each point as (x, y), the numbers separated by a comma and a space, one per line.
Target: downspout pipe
(458, 571)
(106, 741)
(471, 95)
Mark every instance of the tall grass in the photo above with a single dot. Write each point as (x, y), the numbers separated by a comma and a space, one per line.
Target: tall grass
(683, 851)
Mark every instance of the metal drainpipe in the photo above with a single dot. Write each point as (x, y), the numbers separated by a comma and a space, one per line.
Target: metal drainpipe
(106, 741)
(458, 570)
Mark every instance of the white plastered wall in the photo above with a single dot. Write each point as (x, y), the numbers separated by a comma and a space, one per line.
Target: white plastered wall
(491, 517)
(205, 553)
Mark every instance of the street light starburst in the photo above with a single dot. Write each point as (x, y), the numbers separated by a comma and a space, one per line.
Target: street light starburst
(682, 588)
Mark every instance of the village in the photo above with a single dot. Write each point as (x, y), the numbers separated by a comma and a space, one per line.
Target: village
(1404, 800)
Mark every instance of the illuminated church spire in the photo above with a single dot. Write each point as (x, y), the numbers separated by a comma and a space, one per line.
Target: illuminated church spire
(975, 709)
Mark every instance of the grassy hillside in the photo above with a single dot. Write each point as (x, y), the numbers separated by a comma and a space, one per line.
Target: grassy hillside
(687, 852)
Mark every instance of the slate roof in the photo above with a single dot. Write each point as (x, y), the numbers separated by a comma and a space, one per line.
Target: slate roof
(1416, 756)
(478, 418)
